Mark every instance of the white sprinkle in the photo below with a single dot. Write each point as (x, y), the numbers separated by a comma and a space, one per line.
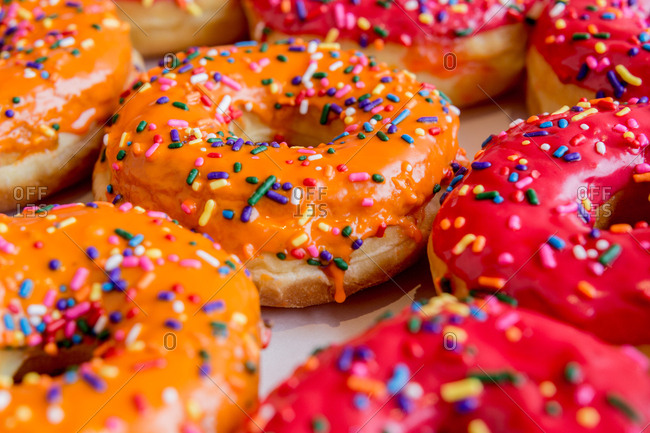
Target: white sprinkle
(584, 126)
(312, 47)
(29, 73)
(66, 42)
(296, 195)
(336, 65)
(602, 244)
(515, 123)
(139, 250)
(248, 106)
(101, 324)
(600, 147)
(178, 306)
(315, 157)
(36, 310)
(113, 262)
(545, 147)
(304, 107)
(208, 258)
(133, 334)
(55, 414)
(579, 252)
(170, 395)
(199, 78)
(5, 399)
(592, 253)
(224, 104)
(557, 9)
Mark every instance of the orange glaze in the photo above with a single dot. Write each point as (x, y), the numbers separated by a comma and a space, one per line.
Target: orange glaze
(155, 313)
(62, 64)
(365, 180)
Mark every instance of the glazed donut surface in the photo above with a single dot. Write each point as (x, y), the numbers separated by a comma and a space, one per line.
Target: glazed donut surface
(288, 154)
(457, 368)
(554, 212)
(118, 320)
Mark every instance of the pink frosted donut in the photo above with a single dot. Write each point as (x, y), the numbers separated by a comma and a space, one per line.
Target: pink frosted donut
(554, 213)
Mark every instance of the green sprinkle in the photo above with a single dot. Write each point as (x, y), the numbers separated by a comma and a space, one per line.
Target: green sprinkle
(324, 114)
(553, 408)
(347, 231)
(320, 424)
(120, 155)
(581, 36)
(258, 149)
(348, 69)
(250, 366)
(181, 105)
(15, 100)
(261, 190)
(141, 126)
(175, 145)
(487, 195)
(253, 180)
(436, 188)
(573, 373)
(267, 81)
(331, 150)
(124, 234)
(377, 178)
(611, 254)
(531, 195)
(281, 256)
(623, 406)
(382, 136)
(236, 167)
(190, 177)
(361, 135)
(414, 323)
(340, 263)
(313, 262)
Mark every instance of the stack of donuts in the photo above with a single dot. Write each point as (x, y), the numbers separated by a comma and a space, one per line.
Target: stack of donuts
(290, 153)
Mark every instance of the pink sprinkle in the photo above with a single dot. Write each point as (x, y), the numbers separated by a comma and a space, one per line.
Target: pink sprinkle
(523, 183)
(69, 329)
(115, 166)
(620, 128)
(49, 298)
(505, 259)
(352, 128)
(34, 340)
(636, 355)
(547, 256)
(377, 109)
(336, 231)
(567, 208)
(146, 264)
(339, 15)
(178, 123)
(166, 80)
(190, 263)
(360, 85)
(585, 394)
(357, 69)
(604, 63)
(344, 91)
(79, 278)
(507, 321)
(76, 311)
(642, 168)
(311, 92)
(113, 240)
(160, 261)
(7, 246)
(130, 262)
(367, 202)
(643, 140)
(514, 222)
(125, 207)
(597, 268)
(313, 250)
(230, 83)
(632, 123)
(151, 150)
(307, 151)
(165, 87)
(156, 214)
(199, 162)
(358, 177)
(185, 208)
(591, 62)
(152, 127)
(119, 335)
(324, 82)
(173, 258)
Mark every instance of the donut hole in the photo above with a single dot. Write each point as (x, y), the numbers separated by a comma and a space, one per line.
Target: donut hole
(16, 363)
(630, 205)
(294, 128)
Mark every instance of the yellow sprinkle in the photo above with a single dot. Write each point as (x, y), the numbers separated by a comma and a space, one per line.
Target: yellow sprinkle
(147, 3)
(239, 318)
(123, 139)
(445, 224)
(96, 292)
(459, 333)
(378, 89)
(463, 243)
(461, 8)
(419, 131)
(620, 228)
(588, 417)
(477, 426)
(547, 389)
(194, 409)
(153, 253)
(219, 183)
(525, 142)
(24, 14)
(6, 381)
(3, 228)
(587, 289)
(513, 157)
(458, 309)
(600, 47)
(109, 371)
(195, 141)
(459, 222)
(460, 390)
(463, 190)
(628, 77)
(629, 135)
(207, 212)
(493, 282)
(523, 161)
(194, 9)
(425, 18)
(363, 23)
(560, 24)
(274, 88)
(564, 109)
(623, 112)
(479, 244)
(146, 86)
(332, 35)
(299, 240)
(586, 203)
(348, 120)
(31, 378)
(324, 227)
(23, 413)
(584, 114)
(644, 177)
(47, 131)
(478, 189)
(329, 46)
(196, 185)
(66, 222)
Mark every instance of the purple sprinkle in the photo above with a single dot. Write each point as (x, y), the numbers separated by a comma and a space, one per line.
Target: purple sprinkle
(246, 214)
(217, 175)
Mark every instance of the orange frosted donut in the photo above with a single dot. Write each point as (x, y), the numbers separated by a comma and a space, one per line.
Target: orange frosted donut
(62, 63)
(467, 48)
(166, 26)
(117, 320)
(318, 166)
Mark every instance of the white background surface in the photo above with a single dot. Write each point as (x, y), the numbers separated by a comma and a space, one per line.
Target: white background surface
(297, 332)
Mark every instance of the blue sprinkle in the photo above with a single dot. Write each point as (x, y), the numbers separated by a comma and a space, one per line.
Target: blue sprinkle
(136, 240)
(546, 124)
(392, 98)
(514, 177)
(407, 138)
(26, 288)
(401, 116)
(560, 151)
(486, 141)
(556, 242)
(562, 123)
(228, 214)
